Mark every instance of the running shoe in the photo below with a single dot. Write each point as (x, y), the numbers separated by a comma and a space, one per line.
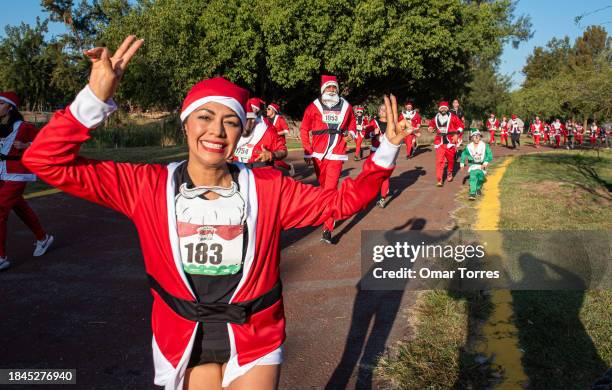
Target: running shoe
(326, 237)
(472, 197)
(4, 263)
(382, 203)
(43, 245)
(291, 170)
(439, 184)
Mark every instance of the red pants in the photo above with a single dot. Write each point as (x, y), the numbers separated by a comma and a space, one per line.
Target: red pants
(504, 138)
(328, 174)
(564, 139)
(384, 189)
(579, 139)
(358, 142)
(443, 154)
(281, 164)
(409, 141)
(491, 137)
(593, 140)
(11, 198)
(557, 141)
(536, 140)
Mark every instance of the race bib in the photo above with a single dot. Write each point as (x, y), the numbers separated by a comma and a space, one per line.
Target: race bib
(331, 117)
(211, 249)
(244, 153)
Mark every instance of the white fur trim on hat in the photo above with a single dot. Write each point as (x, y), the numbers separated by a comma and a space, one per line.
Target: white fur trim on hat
(327, 84)
(226, 101)
(9, 101)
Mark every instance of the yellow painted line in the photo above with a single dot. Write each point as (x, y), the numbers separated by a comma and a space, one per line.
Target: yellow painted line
(499, 333)
(42, 193)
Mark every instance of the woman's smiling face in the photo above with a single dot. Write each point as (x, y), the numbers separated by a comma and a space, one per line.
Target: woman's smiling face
(213, 131)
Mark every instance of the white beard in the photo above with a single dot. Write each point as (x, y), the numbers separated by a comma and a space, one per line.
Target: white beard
(330, 100)
(443, 118)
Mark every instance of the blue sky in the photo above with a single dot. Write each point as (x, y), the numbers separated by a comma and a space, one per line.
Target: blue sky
(550, 19)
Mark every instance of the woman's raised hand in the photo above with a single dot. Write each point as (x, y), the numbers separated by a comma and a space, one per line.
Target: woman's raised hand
(106, 71)
(395, 134)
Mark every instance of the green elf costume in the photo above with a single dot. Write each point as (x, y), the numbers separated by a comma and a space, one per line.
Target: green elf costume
(478, 155)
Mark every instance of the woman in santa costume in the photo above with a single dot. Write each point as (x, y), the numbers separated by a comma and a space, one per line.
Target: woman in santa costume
(259, 146)
(492, 126)
(503, 131)
(326, 121)
(446, 125)
(478, 155)
(282, 128)
(557, 129)
(15, 137)
(537, 128)
(209, 230)
(410, 115)
(579, 134)
(359, 134)
(546, 133)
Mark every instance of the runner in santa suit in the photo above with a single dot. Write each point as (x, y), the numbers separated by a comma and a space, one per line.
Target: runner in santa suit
(492, 126)
(603, 135)
(537, 127)
(478, 156)
(359, 134)
(410, 114)
(546, 133)
(515, 129)
(446, 125)
(593, 131)
(282, 128)
(503, 135)
(557, 129)
(568, 134)
(458, 111)
(326, 121)
(579, 134)
(260, 145)
(15, 137)
(209, 229)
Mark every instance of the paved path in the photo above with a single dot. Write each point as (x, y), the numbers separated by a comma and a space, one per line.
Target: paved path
(86, 304)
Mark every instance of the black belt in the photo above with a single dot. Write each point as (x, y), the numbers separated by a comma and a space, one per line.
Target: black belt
(4, 157)
(327, 131)
(259, 164)
(236, 313)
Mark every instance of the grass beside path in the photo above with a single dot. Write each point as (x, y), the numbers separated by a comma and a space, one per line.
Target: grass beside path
(566, 336)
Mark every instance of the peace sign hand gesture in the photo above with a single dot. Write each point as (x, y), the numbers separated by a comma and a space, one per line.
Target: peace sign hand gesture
(395, 134)
(106, 71)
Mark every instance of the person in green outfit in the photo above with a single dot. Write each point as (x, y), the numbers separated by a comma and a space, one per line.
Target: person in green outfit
(478, 155)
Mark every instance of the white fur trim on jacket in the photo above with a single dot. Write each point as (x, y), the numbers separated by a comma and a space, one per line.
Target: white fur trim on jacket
(88, 109)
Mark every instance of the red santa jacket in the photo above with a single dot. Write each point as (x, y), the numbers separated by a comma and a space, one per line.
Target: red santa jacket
(537, 128)
(557, 128)
(11, 167)
(361, 123)
(319, 121)
(145, 193)
(374, 132)
(264, 135)
(492, 126)
(281, 125)
(413, 117)
(447, 133)
(503, 126)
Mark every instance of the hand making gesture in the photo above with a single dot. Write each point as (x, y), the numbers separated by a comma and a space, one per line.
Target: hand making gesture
(106, 71)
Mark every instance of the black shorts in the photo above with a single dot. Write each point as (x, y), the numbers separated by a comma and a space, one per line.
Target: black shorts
(211, 345)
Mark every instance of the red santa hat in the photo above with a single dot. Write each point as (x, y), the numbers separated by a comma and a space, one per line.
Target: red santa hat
(254, 105)
(442, 104)
(10, 98)
(513, 116)
(359, 109)
(217, 90)
(275, 107)
(327, 81)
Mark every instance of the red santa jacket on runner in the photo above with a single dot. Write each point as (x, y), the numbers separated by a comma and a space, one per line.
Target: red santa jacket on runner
(492, 126)
(503, 126)
(361, 123)
(374, 132)
(264, 135)
(12, 169)
(557, 128)
(281, 124)
(453, 125)
(328, 146)
(537, 128)
(413, 117)
(146, 194)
